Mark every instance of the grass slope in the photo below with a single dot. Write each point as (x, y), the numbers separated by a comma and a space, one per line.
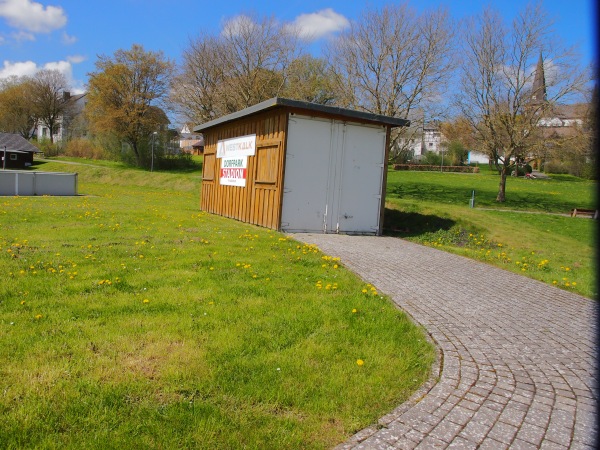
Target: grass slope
(130, 319)
(531, 233)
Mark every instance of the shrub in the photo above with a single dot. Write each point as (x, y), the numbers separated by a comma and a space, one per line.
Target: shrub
(84, 148)
(432, 168)
(556, 167)
(171, 162)
(47, 147)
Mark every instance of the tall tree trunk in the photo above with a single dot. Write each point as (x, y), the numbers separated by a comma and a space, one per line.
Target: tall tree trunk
(502, 186)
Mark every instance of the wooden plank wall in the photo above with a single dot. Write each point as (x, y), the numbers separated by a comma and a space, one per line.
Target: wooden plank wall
(259, 202)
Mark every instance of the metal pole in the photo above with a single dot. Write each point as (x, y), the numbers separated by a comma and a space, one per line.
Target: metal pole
(4, 159)
(152, 161)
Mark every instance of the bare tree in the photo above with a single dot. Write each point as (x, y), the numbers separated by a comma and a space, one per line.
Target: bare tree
(395, 62)
(50, 100)
(246, 64)
(496, 93)
(195, 90)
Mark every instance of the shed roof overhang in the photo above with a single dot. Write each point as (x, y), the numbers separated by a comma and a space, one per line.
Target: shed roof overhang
(305, 107)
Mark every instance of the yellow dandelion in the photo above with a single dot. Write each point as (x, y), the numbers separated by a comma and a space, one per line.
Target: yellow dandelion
(38, 316)
(364, 291)
(146, 301)
(354, 310)
(360, 362)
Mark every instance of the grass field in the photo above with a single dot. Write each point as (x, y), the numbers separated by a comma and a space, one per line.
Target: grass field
(531, 233)
(130, 319)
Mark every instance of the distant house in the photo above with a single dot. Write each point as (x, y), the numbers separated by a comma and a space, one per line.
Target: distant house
(562, 120)
(475, 157)
(71, 124)
(190, 142)
(428, 139)
(17, 152)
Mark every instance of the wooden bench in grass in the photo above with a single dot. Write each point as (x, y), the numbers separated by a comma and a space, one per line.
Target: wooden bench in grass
(580, 212)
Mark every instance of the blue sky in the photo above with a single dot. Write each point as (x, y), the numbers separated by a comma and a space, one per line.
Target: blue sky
(69, 34)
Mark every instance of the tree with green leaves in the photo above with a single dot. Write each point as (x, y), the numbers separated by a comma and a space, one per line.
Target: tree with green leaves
(125, 96)
(17, 108)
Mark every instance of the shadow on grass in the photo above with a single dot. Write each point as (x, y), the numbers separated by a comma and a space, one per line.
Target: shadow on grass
(411, 224)
(517, 196)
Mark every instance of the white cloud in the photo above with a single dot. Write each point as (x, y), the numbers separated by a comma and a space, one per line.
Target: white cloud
(68, 40)
(76, 59)
(30, 68)
(236, 25)
(19, 69)
(32, 16)
(316, 25)
(21, 36)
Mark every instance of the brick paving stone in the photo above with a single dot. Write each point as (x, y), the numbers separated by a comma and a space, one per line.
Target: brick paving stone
(516, 372)
(491, 444)
(503, 432)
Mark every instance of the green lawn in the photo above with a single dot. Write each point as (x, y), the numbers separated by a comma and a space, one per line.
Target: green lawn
(131, 319)
(531, 233)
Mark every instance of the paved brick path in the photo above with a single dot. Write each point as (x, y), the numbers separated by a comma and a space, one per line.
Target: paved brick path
(517, 357)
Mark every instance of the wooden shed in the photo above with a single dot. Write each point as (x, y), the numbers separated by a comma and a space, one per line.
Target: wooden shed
(298, 167)
(16, 151)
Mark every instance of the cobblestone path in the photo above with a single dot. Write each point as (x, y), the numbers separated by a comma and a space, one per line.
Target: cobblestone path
(517, 362)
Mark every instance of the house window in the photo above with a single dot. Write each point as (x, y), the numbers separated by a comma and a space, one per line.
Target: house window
(13, 157)
(45, 132)
(431, 144)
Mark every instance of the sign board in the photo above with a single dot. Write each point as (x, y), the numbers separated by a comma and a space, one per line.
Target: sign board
(237, 147)
(234, 171)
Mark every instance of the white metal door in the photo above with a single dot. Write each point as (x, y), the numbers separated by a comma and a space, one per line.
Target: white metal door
(306, 175)
(333, 176)
(361, 179)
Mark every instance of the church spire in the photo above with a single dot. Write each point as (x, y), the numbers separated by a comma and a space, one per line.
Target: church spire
(538, 92)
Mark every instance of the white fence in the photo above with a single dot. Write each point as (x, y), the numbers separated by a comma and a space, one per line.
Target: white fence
(17, 182)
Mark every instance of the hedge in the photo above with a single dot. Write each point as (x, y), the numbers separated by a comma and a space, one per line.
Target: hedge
(430, 168)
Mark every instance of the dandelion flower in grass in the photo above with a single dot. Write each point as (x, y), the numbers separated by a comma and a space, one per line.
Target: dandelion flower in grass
(555, 282)
(335, 266)
(364, 291)
(146, 301)
(360, 362)
(38, 316)
(354, 311)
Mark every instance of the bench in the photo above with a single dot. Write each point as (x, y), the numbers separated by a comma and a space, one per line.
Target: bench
(593, 213)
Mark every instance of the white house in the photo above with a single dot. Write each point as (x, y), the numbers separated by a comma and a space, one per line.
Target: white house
(71, 123)
(190, 142)
(427, 139)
